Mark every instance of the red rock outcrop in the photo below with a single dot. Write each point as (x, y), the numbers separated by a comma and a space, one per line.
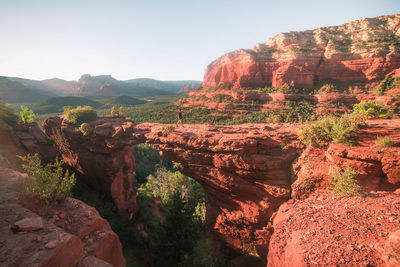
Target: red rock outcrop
(324, 230)
(363, 50)
(243, 169)
(248, 171)
(103, 159)
(378, 167)
(22, 140)
(33, 233)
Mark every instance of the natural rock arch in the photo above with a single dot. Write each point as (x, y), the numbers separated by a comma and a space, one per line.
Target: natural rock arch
(247, 170)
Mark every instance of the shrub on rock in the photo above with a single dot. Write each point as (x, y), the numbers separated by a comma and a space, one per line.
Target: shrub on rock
(371, 109)
(342, 129)
(85, 128)
(344, 183)
(79, 114)
(50, 182)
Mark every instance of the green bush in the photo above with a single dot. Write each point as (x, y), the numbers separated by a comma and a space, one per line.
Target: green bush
(79, 114)
(114, 112)
(7, 114)
(342, 129)
(85, 128)
(386, 84)
(344, 183)
(371, 109)
(26, 114)
(167, 128)
(384, 141)
(49, 183)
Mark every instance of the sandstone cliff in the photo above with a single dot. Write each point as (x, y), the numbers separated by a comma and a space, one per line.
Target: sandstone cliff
(359, 51)
(248, 171)
(33, 233)
(103, 159)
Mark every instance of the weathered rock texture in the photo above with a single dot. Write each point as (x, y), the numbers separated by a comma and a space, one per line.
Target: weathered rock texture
(33, 233)
(378, 167)
(243, 169)
(248, 170)
(103, 159)
(362, 50)
(324, 230)
(24, 139)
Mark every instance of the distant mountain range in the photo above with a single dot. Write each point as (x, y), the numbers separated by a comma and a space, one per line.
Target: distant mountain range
(13, 89)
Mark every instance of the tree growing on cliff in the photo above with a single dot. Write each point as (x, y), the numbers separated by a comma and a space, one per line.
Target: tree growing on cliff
(114, 112)
(50, 182)
(79, 114)
(26, 114)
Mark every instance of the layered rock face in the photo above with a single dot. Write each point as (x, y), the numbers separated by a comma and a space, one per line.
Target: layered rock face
(360, 51)
(243, 169)
(68, 234)
(248, 171)
(103, 159)
(24, 139)
(378, 167)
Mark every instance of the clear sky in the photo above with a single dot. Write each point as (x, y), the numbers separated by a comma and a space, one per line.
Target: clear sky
(162, 39)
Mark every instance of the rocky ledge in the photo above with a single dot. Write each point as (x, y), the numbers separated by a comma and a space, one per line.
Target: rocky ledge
(103, 159)
(67, 234)
(324, 230)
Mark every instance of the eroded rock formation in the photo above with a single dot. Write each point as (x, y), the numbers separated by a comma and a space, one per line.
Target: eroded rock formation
(243, 169)
(363, 50)
(24, 139)
(248, 171)
(68, 234)
(103, 159)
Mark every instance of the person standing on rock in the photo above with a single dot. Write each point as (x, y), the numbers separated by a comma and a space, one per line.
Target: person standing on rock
(179, 118)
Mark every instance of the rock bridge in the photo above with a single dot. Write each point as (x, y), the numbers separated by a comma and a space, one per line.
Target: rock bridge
(247, 170)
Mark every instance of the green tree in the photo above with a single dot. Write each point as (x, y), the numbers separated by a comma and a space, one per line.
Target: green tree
(121, 111)
(114, 112)
(26, 114)
(50, 182)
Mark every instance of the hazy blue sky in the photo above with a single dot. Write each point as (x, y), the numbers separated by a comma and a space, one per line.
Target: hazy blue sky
(165, 39)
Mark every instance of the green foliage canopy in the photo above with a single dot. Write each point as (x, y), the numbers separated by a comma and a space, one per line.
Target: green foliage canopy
(79, 114)
(26, 114)
(371, 109)
(50, 182)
